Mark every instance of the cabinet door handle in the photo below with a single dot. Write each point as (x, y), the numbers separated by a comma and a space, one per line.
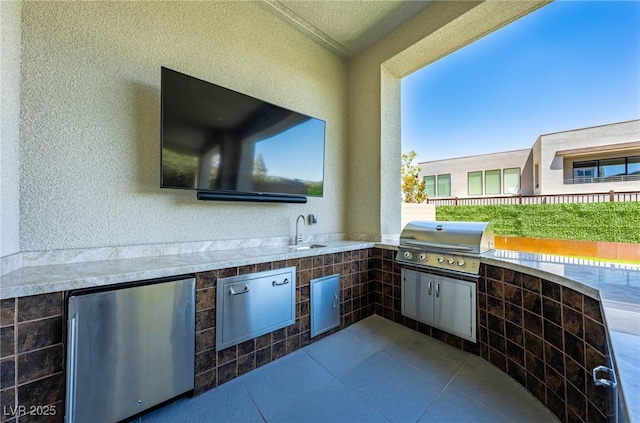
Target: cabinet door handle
(429, 287)
(438, 289)
(72, 326)
(284, 282)
(244, 291)
(603, 382)
(335, 301)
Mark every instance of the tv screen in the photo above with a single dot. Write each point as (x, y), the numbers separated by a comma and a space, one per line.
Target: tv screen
(217, 140)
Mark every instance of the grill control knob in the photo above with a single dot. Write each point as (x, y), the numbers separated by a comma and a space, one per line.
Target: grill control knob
(461, 263)
(450, 261)
(424, 257)
(440, 259)
(408, 255)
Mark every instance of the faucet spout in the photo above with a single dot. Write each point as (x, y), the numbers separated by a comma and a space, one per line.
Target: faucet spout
(298, 234)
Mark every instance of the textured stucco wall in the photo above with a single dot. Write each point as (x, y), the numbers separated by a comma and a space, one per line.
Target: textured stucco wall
(9, 127)
(553, 168)
(91, 108)
(374, 79)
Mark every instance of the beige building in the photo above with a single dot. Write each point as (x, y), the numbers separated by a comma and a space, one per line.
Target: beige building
(587, 160)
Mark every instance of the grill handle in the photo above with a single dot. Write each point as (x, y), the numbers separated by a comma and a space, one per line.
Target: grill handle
(437, 245)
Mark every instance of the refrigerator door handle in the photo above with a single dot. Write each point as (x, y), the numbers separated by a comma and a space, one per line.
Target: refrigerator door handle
(72, 327)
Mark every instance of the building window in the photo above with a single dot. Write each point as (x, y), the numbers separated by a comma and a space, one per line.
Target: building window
(606, 170)
(633, 165)
(611, 167)
(511, 180)
(430, 182)
(536, 175)
(584, 172)
(444, 185)
(474, 183)
(492, 182)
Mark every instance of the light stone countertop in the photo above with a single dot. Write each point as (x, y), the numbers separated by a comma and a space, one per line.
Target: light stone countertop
(35, 280)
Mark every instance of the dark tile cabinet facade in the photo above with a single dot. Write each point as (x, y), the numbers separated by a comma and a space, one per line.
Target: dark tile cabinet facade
(545, 336)
(356, 302)
(31, 360)
(548, 338)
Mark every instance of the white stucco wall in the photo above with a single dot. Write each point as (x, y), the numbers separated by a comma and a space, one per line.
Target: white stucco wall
(9, 127)
(553, 169)
(91, 108)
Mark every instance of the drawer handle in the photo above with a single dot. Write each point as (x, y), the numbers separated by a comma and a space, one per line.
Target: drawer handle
(284, 282)
(244, 291)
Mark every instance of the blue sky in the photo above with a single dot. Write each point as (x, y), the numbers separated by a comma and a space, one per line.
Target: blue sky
(287, 156)
(568, 65)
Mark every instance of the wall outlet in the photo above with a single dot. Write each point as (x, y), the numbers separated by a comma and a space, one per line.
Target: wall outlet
(313, 219)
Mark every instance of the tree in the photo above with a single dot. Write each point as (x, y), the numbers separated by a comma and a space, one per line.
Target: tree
(413, 189)
(259, 169)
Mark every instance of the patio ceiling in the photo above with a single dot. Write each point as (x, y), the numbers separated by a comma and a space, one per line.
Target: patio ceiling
(346, 27)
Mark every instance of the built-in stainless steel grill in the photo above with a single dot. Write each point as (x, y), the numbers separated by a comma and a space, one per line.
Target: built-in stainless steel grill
(449, 246)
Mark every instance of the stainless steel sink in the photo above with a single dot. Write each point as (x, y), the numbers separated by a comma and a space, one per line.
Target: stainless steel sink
(306, 246)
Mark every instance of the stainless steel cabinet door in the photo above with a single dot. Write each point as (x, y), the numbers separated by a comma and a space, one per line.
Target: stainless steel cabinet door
(251, 305)
(417, 295)
(129, 349)
(445, 303)
(455, 307)
(325, 304)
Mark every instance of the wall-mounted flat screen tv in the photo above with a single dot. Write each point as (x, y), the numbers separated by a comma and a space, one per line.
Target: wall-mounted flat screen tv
(234, 147)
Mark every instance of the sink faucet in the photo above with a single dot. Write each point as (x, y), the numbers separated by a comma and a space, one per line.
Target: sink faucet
(298, 234)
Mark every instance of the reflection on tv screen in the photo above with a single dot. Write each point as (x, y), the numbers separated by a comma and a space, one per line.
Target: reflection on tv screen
(217, 139)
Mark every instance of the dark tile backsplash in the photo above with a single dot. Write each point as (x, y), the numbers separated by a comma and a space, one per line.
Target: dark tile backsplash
(545, 336)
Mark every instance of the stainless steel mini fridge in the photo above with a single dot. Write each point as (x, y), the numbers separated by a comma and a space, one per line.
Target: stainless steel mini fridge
(129, 349)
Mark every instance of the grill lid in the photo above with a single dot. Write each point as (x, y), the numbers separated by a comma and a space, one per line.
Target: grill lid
(447, 246)
(468, 238)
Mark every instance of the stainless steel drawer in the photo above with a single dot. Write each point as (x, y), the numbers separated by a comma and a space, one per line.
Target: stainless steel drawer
(251, 305)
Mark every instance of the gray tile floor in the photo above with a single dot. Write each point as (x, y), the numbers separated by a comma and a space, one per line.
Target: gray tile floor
(373, 371)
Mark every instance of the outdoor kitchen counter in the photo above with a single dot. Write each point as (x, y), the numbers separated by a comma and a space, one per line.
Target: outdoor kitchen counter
(616, 286)
(45, 279)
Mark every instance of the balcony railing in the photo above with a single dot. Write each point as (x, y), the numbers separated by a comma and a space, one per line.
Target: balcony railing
(599, 197)
(589, 180)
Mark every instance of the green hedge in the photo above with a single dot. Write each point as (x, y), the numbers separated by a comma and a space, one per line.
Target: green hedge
(613, 222)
